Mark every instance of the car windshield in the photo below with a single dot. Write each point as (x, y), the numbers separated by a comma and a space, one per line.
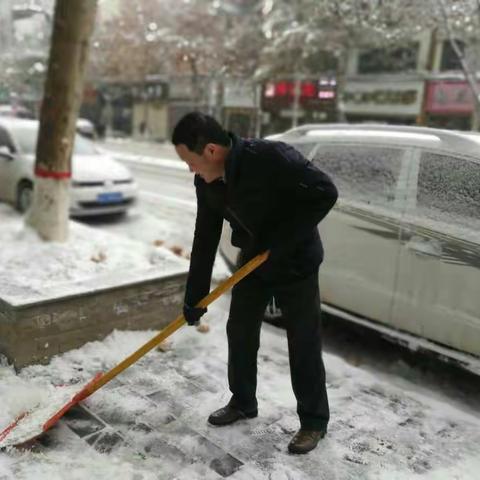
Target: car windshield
(26, 138)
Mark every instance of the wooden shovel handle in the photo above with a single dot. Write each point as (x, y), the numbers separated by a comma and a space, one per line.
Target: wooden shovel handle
(172, 327)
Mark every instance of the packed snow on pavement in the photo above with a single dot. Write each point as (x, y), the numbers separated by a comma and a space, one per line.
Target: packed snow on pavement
(150, 422)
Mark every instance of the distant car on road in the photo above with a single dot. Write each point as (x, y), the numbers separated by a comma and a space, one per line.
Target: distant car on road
(7, 110)
(403, 242)
(86, 128)
(100, 185)
(83, 126)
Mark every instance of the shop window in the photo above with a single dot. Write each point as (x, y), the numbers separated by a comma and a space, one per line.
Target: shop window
(450, 60)
(389, 60)
(448, 190)
(362, 173)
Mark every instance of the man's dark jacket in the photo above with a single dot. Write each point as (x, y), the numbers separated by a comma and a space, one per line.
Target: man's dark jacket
(273, 199)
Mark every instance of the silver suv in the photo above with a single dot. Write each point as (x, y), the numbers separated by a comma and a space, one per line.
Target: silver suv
(403, 242)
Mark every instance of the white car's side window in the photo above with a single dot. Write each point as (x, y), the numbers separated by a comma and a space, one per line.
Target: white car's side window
(448, 191)
(365, 174)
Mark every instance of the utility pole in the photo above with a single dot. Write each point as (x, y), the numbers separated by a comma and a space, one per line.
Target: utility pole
(72, 28)
(422, 118)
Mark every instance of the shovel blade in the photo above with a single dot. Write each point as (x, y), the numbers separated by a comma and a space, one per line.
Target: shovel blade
(30, 425)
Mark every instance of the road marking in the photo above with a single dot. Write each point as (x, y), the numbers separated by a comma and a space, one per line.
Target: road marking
(143, 160)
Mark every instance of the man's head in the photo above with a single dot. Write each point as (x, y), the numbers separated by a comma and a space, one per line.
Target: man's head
(203, 144)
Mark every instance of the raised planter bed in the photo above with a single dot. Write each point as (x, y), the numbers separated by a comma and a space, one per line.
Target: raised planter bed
(33, 330)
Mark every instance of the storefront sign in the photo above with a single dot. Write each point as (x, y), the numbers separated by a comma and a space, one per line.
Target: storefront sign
(313, 94)
(446, 97)
(239, 94)
(150, 91)
(181, 87)
(139, 91)
(402, 98)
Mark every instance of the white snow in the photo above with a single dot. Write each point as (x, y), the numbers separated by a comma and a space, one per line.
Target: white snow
(33, 270)
(32, 404)
(381, 427)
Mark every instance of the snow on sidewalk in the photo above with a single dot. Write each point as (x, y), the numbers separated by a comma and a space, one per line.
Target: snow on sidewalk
(150, 422)
(33, 270)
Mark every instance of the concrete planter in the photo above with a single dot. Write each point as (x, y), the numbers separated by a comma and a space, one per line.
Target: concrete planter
(34, 331)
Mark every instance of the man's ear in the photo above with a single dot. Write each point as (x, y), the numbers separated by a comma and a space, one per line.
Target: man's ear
(210, 150)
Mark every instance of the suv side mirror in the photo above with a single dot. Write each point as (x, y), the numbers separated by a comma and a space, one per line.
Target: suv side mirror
(6, 152)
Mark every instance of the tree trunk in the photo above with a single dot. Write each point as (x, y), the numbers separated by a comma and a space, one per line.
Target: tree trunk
(257, 89)
(220, 98)
(341, 80)
(72, 28)
(195, 81)
(297, 88)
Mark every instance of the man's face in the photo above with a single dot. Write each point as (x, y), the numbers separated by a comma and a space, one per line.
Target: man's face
(208, 165)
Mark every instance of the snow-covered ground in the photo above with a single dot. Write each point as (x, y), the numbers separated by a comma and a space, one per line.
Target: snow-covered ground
(33, 270)
(150, 422)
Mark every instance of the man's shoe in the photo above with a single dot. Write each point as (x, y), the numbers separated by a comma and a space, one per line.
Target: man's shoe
(228, 415)
(305, 440)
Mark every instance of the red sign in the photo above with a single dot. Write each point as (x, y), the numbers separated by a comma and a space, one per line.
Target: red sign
(312, 93)
(444, 96)
(287, 89)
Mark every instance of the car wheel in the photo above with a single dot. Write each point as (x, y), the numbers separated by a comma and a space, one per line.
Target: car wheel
(24, 196)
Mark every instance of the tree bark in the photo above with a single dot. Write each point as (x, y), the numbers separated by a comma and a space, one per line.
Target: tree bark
(72, 28)
(297, 90)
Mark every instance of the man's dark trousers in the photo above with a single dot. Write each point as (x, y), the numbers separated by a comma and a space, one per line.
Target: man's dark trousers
(299, 301)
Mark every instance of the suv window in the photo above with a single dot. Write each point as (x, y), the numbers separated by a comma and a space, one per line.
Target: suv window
(449, 190)
(362, 173)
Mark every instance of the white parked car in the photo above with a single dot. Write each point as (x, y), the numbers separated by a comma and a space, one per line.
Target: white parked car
(402, 245)
(100, 185)
(7, 110)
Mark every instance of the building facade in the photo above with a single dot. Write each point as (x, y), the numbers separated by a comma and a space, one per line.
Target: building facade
(419, 83)
(387, 85)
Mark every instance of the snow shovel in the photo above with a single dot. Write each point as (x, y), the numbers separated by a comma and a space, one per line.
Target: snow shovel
(29, 425)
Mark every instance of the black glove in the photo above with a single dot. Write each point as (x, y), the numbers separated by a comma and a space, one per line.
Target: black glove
(193, 314)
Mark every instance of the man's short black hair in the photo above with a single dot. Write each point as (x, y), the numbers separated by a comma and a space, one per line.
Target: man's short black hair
(196, 129)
